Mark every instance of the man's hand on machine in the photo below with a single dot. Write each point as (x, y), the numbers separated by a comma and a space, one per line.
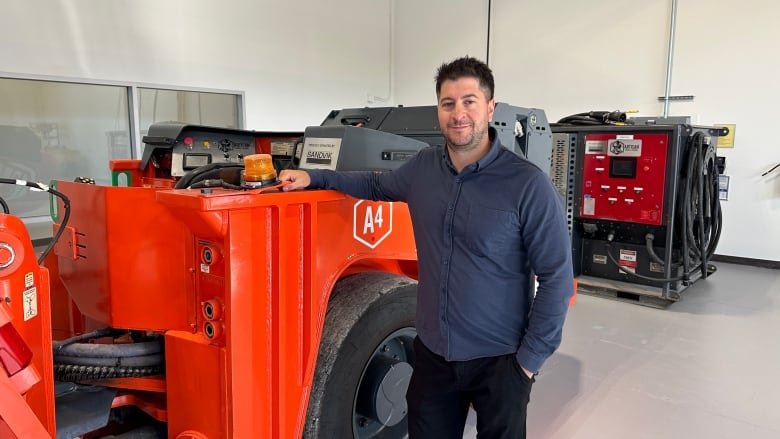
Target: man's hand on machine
(296, 179)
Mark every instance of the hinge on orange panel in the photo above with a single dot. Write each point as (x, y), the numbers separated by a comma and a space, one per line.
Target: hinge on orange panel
(67, 245)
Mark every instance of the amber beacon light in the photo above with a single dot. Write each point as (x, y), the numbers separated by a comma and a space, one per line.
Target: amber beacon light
(259, 171)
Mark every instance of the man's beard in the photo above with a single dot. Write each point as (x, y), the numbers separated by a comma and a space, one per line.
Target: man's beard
(468, 142)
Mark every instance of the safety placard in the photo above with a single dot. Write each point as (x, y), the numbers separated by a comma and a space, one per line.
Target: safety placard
(30, 301)
(372, 222)
(628, 260)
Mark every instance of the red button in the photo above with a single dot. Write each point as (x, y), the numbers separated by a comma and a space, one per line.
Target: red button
(646, 168)
(188, 141)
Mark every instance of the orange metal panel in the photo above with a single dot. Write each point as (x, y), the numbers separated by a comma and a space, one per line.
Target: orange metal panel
(24, 295)
(196, 396)
(128, 272)
(281, 253)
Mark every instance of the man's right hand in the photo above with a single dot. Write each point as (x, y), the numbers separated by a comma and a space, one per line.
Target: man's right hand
(297, 179)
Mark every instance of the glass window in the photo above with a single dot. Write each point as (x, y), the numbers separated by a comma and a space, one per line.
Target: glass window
(58, 130)
(193, 107)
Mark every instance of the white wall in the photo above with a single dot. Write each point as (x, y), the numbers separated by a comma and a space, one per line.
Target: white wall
(568, 57)
(428, 33)
(728, 57)
(295, 60)
(559, 55)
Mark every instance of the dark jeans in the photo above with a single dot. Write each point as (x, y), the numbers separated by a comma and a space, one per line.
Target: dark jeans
(441, 391)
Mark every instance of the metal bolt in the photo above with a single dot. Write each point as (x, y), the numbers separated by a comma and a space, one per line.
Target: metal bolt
(362, 422)
(385, 348)
(7, 300)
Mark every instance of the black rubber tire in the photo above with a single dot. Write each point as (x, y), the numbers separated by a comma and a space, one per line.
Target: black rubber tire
(363, 311)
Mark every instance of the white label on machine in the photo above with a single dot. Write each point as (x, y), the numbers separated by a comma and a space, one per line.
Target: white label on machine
(624, 136)
(624, 147)
(29, 280)
(283, 147)
(204, 268)
(30, 301)
(320, 153)
(600, 259)
(589, 205)
(628, 260)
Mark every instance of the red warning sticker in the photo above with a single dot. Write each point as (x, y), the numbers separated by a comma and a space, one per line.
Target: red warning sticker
(628, 260)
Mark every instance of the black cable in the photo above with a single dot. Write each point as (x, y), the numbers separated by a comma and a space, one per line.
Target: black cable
(627, 271)
(773, 168)
(56, 193)
(100, 333)
(214, 183)
(292, 164)
(6, 210)
(202, 172)
(649, 238)
(596, 118)
(700, 213)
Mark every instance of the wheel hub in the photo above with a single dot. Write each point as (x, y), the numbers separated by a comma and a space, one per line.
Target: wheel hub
(390, 399)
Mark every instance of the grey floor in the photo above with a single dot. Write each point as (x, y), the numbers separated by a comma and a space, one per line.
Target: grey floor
(708, 366)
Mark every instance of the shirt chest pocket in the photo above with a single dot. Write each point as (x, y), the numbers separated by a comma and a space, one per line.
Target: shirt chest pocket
(491, 231)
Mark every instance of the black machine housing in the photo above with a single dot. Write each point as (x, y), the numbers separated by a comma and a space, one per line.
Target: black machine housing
(659, 255)
(525, 131)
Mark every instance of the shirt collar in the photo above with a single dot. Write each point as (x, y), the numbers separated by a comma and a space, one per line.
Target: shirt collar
(492, 154)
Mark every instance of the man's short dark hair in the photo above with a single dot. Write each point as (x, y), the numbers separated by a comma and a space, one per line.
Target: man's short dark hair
(467, 67)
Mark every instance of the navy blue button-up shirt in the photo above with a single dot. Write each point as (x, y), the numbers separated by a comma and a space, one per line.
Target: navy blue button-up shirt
(480, 235)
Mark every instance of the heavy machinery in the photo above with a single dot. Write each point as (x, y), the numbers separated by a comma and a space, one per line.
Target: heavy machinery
(644, 207)
(194, 299)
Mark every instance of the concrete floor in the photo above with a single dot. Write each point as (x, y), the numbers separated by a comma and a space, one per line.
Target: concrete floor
(708, 366)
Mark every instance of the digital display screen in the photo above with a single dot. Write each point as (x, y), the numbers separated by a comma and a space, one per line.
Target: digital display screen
(622, 167)
(192, 161)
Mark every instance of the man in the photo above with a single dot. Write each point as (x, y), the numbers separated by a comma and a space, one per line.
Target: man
(484, 220)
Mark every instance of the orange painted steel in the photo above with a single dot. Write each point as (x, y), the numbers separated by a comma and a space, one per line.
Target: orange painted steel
(140, 262)
(27, 391)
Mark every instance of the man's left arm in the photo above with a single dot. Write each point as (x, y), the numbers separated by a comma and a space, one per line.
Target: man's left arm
(546, 238)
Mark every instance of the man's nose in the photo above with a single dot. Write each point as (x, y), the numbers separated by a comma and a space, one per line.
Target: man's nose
(459, 111)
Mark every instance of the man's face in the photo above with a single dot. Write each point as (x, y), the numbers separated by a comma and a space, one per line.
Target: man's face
(464, 113)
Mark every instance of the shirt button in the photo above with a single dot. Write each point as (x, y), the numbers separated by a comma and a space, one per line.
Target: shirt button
(446, 261)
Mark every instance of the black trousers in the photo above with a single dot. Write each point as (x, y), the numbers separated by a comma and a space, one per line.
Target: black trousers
(441, 391)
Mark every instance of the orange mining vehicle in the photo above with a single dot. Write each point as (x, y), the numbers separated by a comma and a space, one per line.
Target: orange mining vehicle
(194, 299)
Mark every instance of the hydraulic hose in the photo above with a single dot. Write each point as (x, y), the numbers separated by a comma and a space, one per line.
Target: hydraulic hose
(701, 210)
(700, 215)
(76, 361)
(44, 188)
